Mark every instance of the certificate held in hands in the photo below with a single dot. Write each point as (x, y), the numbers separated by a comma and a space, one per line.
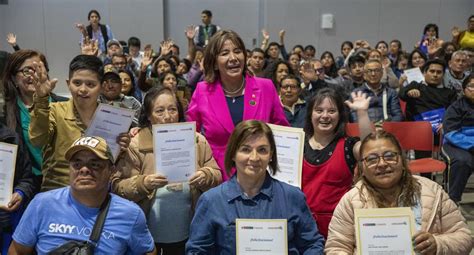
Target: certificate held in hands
(261, 236)
(109, 122)
(384, 231)
(289, 142)
(174, 147)
(7, 171)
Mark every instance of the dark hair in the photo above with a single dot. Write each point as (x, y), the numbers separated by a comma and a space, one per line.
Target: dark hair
(132, 79)
(268, 48)
(356, 59)
(163, 76)
(332, 70)
(90, 13)
(241, 133)
(409, 188)
(402, 55)
(381, 42)
(435, 61)
(176, 47)
(175, 60)
(147, 105)
(212, 52)
(298, 46)
(397, 42)
(467, 80)
(187, 62)
(273, 71)
(431, 25)
(338, 100)
(421, 53)
(207, 12)
(119, 55)
(154, 72)
(309, 47)
(348, 43)
(134, 41)
(10, 90)
(86, 62)
(291, 77)
(258, 50)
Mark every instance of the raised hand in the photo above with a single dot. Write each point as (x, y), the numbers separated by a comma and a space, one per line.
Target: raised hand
(201, 64)
(43, 85)
(166, 47)
(190, 32)
(265, 34)
(81, 28)
(360, 101)
(308, 72)
(455, 32)
(90, 47)
(282, 33)
(11, 39)
(147, 58)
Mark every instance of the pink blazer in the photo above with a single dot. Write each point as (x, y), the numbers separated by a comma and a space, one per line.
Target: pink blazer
(208, 108)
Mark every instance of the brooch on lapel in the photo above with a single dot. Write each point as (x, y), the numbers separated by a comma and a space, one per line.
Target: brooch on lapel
(252, 102)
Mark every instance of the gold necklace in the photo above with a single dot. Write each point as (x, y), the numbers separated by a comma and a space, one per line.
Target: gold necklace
(235, 91)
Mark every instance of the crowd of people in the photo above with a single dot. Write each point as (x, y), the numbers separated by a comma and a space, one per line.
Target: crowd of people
(66, 183)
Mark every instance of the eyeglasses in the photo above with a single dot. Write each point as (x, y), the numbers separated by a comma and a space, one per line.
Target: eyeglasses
(375, 71)
(292, 87)
(161, 112)
(319, 70)
(94, 165)
(27, 71)
(390, 157)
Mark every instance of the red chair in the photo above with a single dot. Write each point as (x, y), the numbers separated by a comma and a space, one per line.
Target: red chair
(416, 135)
(352, 129)
(403, 106)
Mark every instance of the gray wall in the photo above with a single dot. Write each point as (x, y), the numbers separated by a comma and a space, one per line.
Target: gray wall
(48, 25)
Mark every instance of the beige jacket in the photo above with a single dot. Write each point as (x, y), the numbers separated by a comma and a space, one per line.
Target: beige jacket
(440, 216)
(139, 162)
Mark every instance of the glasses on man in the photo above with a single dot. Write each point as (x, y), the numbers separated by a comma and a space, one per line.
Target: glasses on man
(371, 71)
(27, 71)
(289, 87)
(94, 165)
(372, 160)
(319, 70)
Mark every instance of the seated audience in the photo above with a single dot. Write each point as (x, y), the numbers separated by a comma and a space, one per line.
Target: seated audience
(55, 126)
(384, 104)
(56, 217)
(168, 207)
(458, 145)
(251, 193)
(293, 105)
(384, 181)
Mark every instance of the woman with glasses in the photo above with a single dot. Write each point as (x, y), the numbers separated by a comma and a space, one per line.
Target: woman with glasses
(168, 207)
(293, 105)
(18, 89)
(329, 155)
(384, 181)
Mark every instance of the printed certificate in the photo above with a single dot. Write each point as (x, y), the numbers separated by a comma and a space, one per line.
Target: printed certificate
(109, 122)
(7, 171)
(414, 74)
(174, 146)
(385, 231)
(261, 236)
(289, 142)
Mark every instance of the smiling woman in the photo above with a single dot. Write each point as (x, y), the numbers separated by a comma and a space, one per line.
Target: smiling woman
(251, 194)
(384, 180)
(228, 95)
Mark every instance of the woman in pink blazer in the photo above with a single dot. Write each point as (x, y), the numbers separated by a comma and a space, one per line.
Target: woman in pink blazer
(229, 96)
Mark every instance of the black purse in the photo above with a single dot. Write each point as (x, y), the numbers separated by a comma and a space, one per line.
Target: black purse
(75, 247)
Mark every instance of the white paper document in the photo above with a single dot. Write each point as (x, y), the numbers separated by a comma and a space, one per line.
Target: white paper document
(414, 74)
(7, 171)
(109, 122)
(261, 236)
(384, 231)
(289, 142)
(174, 146)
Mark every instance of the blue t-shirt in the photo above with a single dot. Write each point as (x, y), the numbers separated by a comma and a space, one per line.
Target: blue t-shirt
(55, 217)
